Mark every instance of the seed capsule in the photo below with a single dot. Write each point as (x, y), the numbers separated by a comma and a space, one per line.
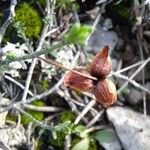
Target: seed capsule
(101, 65)
(105, 92)
(78, 82)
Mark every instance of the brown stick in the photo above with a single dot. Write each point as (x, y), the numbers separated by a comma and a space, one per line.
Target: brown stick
(50, 61)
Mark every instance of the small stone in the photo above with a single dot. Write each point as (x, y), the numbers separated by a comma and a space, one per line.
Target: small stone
(134, 96)
(112, 146)
(100, 39)
(132, 128)
(147, 85)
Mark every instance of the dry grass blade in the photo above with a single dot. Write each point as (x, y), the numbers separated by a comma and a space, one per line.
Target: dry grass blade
(50, 61)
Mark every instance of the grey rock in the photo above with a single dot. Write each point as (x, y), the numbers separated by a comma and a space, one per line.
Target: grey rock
(112, 146)
(107, 24)
(147, 85)
(100, 38)
(134, 96)
(132, 128)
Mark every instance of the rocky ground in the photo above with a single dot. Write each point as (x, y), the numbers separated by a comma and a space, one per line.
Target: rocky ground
(35, 106)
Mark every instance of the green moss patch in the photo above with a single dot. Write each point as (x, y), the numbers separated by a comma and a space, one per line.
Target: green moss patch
(31, 20)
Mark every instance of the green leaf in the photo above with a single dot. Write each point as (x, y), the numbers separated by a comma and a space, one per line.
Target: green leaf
(78, 34)
(79, 129)
(54, 134)
(10, 55)
(106, 135)
(37, 115)
(62, 126)
(82, 145)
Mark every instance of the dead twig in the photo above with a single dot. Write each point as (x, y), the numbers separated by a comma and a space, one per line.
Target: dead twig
(96, 118)
(85, 110)
(133, 75)
(133, 82)
(129, 67)
(9, 20)
(44, 108)
(17, 83)
(38, 123)
(73, 106)
(41, 42)
(94, 128)
(50, 61)
(46, 93)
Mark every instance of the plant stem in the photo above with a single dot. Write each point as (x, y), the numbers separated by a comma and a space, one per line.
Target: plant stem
(35, 54)
(50, 61)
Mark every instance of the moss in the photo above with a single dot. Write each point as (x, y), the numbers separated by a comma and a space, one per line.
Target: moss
(30, 18)
(59, 142)
(44, 84)
(37, 115)
(24, 119)
(93, 145)
(42, 2)
(75, 140)
(123, 9)
(68, 116)
(38, 103)
(40, 145)
(11, 117)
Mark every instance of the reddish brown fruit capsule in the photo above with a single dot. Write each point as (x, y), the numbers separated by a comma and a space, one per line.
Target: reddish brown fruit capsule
(105, 92)
(78, 82)
(101, 65)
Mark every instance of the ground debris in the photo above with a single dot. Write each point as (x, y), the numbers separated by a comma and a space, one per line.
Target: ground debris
(132, 128)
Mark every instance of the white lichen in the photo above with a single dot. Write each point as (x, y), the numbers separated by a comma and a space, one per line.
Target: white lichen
(14, 50)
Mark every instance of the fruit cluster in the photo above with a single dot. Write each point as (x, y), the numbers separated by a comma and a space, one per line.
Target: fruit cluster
(103, 88)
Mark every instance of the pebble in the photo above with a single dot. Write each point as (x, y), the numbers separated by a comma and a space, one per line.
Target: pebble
(101, 38)
(134, 96)
(133, 128)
